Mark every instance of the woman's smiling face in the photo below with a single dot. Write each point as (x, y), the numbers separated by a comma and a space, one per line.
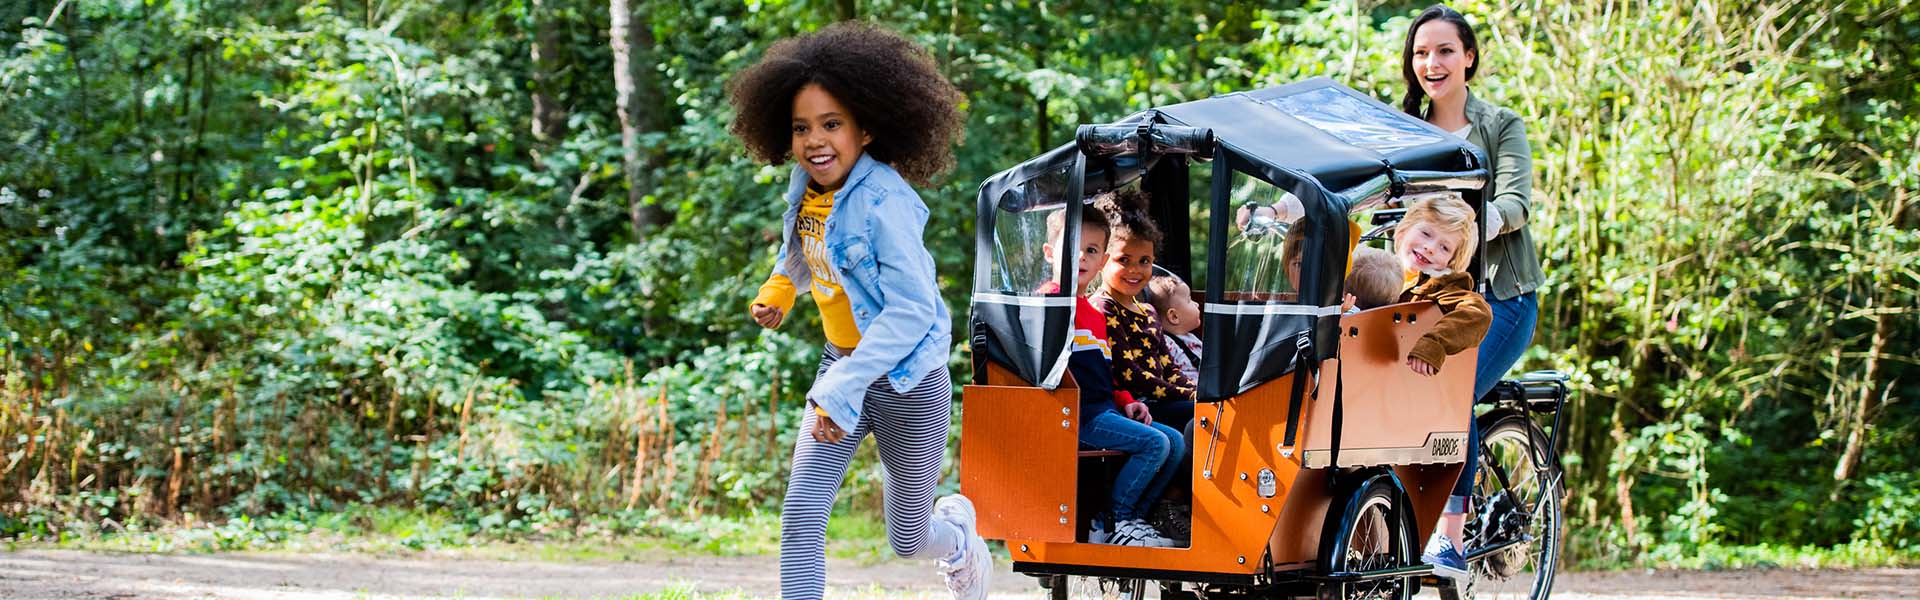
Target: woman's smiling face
(1129, 267)
(1440, 59)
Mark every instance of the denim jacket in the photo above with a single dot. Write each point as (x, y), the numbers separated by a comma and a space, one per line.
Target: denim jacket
(873, 240)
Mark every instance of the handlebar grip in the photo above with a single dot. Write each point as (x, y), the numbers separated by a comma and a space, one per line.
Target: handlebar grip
(1107, 140)
(1114, 140)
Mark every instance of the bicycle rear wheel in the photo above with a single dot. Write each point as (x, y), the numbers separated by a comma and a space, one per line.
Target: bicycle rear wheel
(1524, 513)
(1067, 587)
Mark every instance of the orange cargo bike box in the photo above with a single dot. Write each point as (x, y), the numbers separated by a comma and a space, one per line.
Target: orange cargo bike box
(1318, 459)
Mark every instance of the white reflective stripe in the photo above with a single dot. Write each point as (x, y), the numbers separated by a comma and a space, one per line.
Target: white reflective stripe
(1273, 309)
(1024, 300)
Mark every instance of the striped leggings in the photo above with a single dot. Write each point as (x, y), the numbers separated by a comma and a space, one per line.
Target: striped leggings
(911, 431)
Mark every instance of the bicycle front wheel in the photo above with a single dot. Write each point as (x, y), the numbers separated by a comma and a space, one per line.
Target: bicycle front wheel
(1517, 503)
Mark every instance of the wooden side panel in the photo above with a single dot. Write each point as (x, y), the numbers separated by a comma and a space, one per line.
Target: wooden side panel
(1427, 489)
(1019, 460)
(1233, 524)
(1296, 539)
(1392, 414)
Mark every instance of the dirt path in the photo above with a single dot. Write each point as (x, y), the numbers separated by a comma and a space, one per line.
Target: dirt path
(52, 574)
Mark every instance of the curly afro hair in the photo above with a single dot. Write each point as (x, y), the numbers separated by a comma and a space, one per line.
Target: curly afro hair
(1127, 210)
(891, 85)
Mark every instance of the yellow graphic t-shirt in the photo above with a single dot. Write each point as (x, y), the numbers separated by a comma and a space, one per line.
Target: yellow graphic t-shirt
(836, 312)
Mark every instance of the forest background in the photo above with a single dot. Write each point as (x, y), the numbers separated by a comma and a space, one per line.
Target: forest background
(488, 259)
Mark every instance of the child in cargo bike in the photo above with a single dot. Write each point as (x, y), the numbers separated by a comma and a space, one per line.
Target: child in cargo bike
(1111, 419)
(1434, 243)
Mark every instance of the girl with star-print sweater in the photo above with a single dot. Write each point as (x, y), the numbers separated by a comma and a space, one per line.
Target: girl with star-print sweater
(1142, 361)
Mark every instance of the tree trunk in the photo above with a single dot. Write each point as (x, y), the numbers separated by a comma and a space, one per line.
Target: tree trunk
(642, 109)
(1866, 404)
(848, 10)
(549, 118)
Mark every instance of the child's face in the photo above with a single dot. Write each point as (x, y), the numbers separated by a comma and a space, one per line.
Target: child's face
(826, 141)
(1089, 259)
(1129, 266)
(1092, 255)
(1182, 314)
(1424, 248)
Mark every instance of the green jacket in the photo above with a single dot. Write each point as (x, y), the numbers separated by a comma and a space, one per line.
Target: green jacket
(1511, 257)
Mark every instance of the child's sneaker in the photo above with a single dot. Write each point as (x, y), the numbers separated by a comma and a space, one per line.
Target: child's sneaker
(1136, 532)
(966, 576)
(1447, 562)
(1173, 520)
(1098, 532)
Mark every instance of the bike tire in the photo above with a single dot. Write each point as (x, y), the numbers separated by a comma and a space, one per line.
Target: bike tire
(1072, 587)
(1372, 532)
(1514, 444)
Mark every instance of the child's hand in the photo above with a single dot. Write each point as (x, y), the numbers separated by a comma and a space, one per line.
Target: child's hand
(825, 430)
(1421, 366)
(1138, 412)
(1346, 302)
(767, 316)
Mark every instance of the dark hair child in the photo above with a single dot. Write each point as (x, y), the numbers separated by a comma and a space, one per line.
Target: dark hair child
(864, 112)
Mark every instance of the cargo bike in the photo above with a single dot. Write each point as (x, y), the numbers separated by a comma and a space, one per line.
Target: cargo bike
(1319, 461)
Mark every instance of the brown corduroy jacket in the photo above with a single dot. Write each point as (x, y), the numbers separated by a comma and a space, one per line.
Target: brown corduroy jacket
(1464, 316)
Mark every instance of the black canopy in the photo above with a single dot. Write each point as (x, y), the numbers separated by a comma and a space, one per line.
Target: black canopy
(1333, 148)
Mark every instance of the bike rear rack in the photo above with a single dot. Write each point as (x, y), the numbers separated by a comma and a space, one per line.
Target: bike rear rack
(1539, 392)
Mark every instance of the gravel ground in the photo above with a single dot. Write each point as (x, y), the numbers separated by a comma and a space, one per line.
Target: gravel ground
(58, 574)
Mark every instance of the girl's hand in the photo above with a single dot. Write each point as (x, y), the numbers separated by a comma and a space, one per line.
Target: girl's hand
(826, 431)
(1421, 366)
(1346, 303)
(1138, 412)
(767, 316)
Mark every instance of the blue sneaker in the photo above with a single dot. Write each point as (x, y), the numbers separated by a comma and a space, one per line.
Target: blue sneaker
(1447, 562)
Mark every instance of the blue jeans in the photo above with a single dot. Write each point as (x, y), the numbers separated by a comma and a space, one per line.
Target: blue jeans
(1175, 413)
(1507, 339)
(1153, 452)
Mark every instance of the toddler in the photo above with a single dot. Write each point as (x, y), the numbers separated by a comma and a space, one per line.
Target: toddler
(1179, 318)
(1375, 279)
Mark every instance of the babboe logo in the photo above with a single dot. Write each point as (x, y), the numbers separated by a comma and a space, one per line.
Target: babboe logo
(1446, 447)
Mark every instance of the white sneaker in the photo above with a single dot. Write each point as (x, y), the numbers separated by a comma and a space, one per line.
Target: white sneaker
(966, 576)
(1097, 532)
(1136, 532)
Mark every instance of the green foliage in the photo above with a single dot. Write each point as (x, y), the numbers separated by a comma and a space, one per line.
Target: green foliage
(612, 535)
(296, 259)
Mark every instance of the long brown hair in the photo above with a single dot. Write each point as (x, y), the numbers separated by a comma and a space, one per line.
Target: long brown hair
(1415, 95)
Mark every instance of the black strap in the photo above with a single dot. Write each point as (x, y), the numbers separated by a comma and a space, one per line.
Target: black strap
(1303, 364)
(1182, 345)
(1339, 386)
(977, 343)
